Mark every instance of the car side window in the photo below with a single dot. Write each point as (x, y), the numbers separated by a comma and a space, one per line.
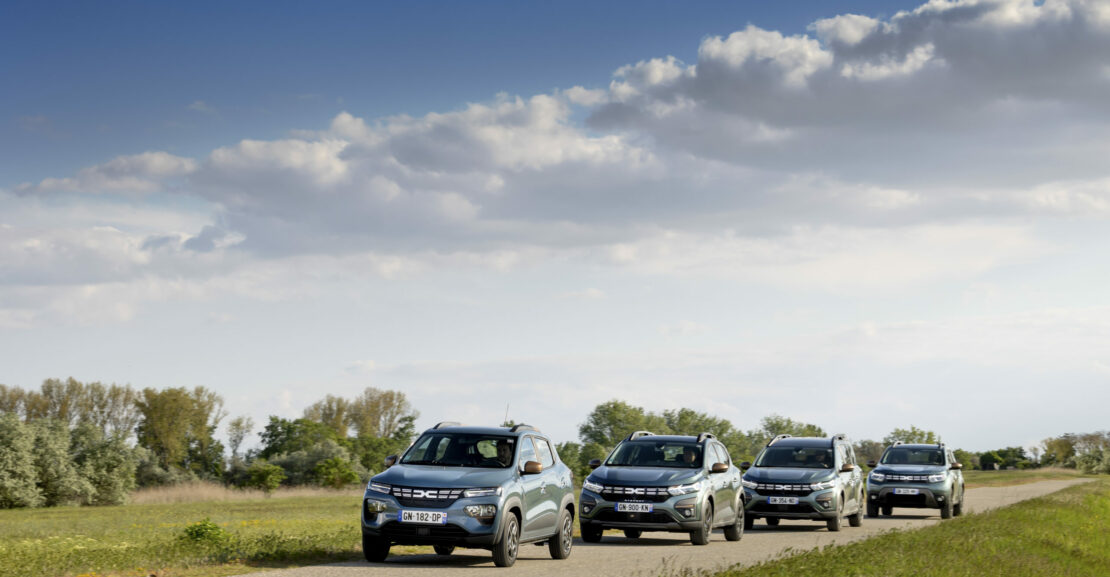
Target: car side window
(545, 452)
(841, 456)
(527, 451)
(722, 454)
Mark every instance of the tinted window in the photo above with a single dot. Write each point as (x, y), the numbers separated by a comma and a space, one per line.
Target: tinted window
(461, 450)
(656, 454)
(908, 456)
(802, 457)
(546, 459)
(527, 451)
(722, 454)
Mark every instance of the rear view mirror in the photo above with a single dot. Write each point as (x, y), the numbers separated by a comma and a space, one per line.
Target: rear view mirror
(871, 464)
(390, 461)
(719, 468)
(957, 465)
(746, 465)
(532, 468)
(847, 468)
(595, 463)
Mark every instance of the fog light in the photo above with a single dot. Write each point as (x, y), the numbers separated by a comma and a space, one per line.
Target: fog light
(481, 510)
(588, 505)
(685, 507)
(873, 497)
(940, 497)
(825, 500)
(375, 506)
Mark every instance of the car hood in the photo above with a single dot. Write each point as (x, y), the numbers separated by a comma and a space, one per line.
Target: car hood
(910, 469)
(442, 477)
(788, 475)
(645, 476)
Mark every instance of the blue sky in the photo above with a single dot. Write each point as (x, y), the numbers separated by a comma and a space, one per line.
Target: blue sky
(864, 215)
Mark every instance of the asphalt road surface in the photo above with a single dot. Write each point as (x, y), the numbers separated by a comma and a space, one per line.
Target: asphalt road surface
(660, 553)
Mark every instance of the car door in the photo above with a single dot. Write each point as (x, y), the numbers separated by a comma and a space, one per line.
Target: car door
(547, 513)
(723, 483)
(533, 489)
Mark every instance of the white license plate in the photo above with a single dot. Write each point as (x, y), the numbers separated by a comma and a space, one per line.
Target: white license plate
(900, 491)
(782, 500)
(634, 507)
(427, 517)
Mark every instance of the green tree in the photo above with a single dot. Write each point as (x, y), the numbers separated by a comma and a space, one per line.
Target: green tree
(378, 413)
(612, 421)
(371, 452)
(990, 461)
(17, 465)
(106, 463)
(11, 400)
(237, 431)
(58, 479)
(264, 476)
(335, 473)
(178, 427)
(868, 450)
(332, 411)
(911, 435)
(282, 436)
(966, 458)
(690, 422)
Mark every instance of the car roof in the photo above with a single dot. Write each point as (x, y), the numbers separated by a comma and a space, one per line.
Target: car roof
(664, 438)
(803, 442)
(917, 446)
(501, 431)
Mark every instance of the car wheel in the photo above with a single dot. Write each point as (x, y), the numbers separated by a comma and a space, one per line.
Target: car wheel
(888, 510)
(735, 531)
(958, 508)
(444, 549)
(504, 552)
(559, 545)
(834, 523)
(591, 534)
(633, 533)
(375, 549)
(872, 509)
(856, 520)
(772, 521)
(700, 536)
(946, 508)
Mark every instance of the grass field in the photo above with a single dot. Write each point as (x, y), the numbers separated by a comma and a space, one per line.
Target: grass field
(1004, 478)
(1063, 534)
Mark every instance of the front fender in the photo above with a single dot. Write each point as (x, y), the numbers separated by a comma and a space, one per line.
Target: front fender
(510, 502)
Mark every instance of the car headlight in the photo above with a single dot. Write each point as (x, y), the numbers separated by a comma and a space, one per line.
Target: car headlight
(686, 489)
(481, 511)
(748, 484)
(592, 486)
(936, 478)
(877, 477)
(823, 486)
(379, 487)
(482, 492)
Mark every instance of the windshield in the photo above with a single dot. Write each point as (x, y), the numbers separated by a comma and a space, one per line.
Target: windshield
(461, 450)
(656, 454)
(800, 457)
(908, 456)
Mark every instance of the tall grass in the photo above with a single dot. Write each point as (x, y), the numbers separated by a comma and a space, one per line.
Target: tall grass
(200, 492)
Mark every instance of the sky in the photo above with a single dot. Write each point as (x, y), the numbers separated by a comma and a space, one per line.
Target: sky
(859, 214)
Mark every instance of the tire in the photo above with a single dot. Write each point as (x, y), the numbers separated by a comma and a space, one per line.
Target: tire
(872, 509)
(700, 536)
(856, 520)
(559, 546)
(633, 533)
(772, 521)
(888, 510)
(506, 549)
(946, 509)
(834, 523)
(735, 531)
(375, 549)
(592, 534)
(444, 549)
(958, 508)
(749, 522)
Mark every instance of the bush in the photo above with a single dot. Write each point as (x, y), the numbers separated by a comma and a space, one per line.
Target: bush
(264, 476)
(17, 465)
(335, 473)
(300, 466)
(204, 532)
(1095, 461)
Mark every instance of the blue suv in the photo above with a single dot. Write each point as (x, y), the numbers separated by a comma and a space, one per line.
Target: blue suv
(477, 487)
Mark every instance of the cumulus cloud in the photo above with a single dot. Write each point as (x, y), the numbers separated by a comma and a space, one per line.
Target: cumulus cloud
(146, 172)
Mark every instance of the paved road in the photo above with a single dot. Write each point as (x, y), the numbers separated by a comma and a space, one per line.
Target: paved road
(655, 552)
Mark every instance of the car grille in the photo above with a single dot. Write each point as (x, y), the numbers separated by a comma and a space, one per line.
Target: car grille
(425, 533)
(906, 500)
(618, 517)
(908, 478)
(425, 497)
(784, 489)
(765, 507)
(653, 494)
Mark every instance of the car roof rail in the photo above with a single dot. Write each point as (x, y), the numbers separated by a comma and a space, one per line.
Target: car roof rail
(896, 443)
(523, 427)
(639, 434)
(445, 424)
(705, 436)
(778, 438)
(838, 437)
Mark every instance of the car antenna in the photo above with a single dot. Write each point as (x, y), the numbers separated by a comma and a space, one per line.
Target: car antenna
(507, 412)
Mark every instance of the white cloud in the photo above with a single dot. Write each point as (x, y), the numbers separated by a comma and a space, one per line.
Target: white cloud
(142, 173)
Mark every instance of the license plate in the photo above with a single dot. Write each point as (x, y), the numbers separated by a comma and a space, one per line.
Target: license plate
(427, 517)
(634, 507)
(900, 491)
(782, 500)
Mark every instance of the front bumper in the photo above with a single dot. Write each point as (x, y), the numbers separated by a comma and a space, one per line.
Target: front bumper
(460, 529)
(929, 496)
(817, 506)
(669, 515)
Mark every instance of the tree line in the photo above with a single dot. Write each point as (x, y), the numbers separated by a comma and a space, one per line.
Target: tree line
(93, 444)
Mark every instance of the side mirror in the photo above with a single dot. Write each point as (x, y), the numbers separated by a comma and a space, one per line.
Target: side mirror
(532, 467)
(871, 464)
(957, 465)
(390, 461)
(595, 463)
(719, 468)
(847, 468)
(746, 465)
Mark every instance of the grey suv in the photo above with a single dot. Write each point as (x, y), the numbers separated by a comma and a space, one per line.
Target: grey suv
(918, 476)
(478, 487)
(805, 478)
(663, 483)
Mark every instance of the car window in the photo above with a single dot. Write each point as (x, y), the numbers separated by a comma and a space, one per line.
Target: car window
(653, 453)
(843, 451)
(448, 449)
(722, 454)
(801, 457)
(527, 451)
(912, 456)
(544, 451)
